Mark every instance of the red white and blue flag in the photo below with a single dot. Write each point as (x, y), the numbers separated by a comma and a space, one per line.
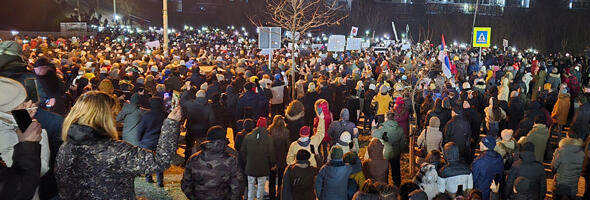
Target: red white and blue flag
(444, 59)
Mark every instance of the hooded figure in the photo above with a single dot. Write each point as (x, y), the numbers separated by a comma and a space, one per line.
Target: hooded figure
(294, 117)
(455, 172)
(567, 166)
(431, 137)
(341, 126)
(376, 166)
(131, 115)
(529, 168)
(428, 180)
(151, 123)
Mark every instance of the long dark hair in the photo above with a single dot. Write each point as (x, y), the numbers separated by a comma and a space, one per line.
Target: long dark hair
(437, 106)
(496, 109)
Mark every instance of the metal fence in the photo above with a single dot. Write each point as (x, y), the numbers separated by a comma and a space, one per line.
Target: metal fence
(8, 35)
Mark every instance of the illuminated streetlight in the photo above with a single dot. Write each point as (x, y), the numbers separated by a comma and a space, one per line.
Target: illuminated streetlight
(117, 17)
(14, 33)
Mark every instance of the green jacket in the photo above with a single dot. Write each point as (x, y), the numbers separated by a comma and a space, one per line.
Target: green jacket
(395, 137)
(257, 151)
(539, 136)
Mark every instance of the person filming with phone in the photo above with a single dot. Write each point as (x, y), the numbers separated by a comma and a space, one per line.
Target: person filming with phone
(24, 151)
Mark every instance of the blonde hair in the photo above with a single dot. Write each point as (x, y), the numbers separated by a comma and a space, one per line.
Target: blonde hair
(94, 109)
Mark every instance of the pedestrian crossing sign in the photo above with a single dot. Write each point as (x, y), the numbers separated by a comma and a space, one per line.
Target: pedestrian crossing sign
(482, 36)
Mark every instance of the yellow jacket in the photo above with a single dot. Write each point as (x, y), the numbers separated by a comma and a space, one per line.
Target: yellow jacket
(383, 102)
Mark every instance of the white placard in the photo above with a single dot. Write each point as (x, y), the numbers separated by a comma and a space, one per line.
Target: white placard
(336, 43)
(317, 46)
(365, 45)
(353, 44)
(153, 44)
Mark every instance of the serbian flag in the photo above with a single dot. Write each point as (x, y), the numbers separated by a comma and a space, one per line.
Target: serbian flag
(444, 59)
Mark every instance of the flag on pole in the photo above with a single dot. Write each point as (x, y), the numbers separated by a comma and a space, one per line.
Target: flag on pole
(444, 59)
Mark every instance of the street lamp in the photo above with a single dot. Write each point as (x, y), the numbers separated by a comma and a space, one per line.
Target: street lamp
(367, 32)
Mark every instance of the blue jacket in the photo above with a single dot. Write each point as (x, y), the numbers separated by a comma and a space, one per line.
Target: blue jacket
(485, 167)
(150, 127)
(332, 181)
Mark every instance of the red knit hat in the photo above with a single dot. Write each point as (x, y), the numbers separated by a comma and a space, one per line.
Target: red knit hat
(304, 131)
(261, 122)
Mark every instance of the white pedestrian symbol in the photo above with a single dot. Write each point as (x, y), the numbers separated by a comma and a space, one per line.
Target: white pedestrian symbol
(481, 38)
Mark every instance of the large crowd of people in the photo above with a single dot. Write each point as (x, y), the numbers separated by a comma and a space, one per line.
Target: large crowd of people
(110, 107)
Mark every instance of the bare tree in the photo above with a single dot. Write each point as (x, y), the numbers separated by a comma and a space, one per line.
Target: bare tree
(300, 16)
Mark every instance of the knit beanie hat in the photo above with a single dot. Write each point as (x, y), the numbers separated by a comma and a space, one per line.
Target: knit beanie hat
(434, 122)
(304, 131)
(261, 122)
(216, 133)
(345, 137)
(16, 94)
(336, 153)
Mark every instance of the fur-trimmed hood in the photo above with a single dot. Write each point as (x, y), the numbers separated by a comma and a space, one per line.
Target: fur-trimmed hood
(294, 111)
(571, 144)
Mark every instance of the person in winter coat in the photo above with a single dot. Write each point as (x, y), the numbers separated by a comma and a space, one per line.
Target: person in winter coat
(131, 115)
(455, 172)
(494, 114)
(506, 145)
(369, 192)
(299, 179)
(486, 166)
(321, 107)
(539, 136)
(308, 143)
(382, 103)
(213, 173)
(539, 81)
(554, 78)
(475, 120)
(343, 125)
(199, 117)
(258, 152)
(149, 130)
(376, 166)
(391, 133)
(431, 137)
(357, 178)
(345, 142)
(368, 110)
(458, 130)
(581, 121)
(560, 111)
(503, 92)
(311, 96)
(567, 166)
(294, 115)
(333, 177)
(529, 168)
(250, 103)
(402, 115)
(21, 158)
(230, 99)
(52, 84)
(428, 180)
(92, 164)
(515, 111)
(280, 137)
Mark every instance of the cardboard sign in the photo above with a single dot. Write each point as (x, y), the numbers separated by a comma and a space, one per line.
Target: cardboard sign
(336, 43)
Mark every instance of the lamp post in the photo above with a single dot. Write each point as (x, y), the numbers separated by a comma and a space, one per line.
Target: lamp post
(165, 25)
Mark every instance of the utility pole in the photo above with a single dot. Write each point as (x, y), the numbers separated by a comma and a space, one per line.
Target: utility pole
(474, 17)
(165, 23)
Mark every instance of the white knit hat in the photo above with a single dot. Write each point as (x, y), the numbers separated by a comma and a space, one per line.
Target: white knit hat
(15, 94)
(345, 137)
